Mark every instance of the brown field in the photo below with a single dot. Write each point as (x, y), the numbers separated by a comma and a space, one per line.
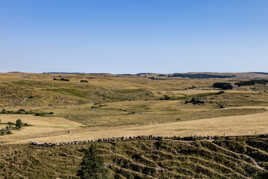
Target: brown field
(112, 106)
(41, 127)
(55, 129)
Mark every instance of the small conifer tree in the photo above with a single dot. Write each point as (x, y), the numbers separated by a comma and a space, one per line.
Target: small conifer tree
(19, 124)
(92, 166)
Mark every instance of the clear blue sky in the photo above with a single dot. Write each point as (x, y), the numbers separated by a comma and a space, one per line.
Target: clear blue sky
(130, 36)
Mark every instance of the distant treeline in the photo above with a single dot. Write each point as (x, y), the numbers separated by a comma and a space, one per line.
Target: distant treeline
(260, 73)
(78, 73)
(63, 73)
(22, 111)
(251, 82)
(182, 75)
(199, 75)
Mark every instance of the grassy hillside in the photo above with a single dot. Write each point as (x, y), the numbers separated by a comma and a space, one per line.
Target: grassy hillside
(114, 102)
(235, 157)
(106, 105)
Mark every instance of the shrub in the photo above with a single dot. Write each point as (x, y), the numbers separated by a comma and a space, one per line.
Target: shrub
(64, 79)
(220, 92)
(224, 86)
(10, 124)
(194, 101)
(3, 111)
(21, 111)
(165, 97)
(26, 124)
(83, 81)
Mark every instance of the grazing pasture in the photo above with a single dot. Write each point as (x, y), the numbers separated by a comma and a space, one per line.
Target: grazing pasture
(40, 127)
(128, 105)
(61, 109)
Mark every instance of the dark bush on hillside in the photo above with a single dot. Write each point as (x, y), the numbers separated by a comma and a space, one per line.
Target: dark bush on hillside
(83, 81)
(194, 101)
(251, 82)
(26, 124)
(64, 79)
(224, 86)
(220, 92)
(61, 79)
(165, 97)
(22, 111)
(10, 123)
(220, 105)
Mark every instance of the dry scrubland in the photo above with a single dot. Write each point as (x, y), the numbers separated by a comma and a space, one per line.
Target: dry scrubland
(130, 105)
(123, 105)
(239, 157)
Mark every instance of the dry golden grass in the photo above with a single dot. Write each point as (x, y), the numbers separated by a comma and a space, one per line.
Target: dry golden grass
(126, 106)
(41, 126)
(232, 125)
(115, 106)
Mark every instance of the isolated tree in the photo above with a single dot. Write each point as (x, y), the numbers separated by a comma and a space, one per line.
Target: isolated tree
(92, 166)
(19, 124)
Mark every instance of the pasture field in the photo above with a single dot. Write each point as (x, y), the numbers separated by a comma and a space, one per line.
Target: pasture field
(40, 127)
(109, 106)
(125, 105)
(250, 124)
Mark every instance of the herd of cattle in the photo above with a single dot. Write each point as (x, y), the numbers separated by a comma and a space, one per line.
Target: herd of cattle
(150, 137)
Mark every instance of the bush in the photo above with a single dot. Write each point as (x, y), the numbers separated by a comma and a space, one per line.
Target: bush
(64, 79)
(224, 86)
(194, 101)
(10, 123)
(3, 111)
(26, 124)
(61, 79)
(165, 97)
(220, 92)
(83, 81)
(43, 113)
(21, 111)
